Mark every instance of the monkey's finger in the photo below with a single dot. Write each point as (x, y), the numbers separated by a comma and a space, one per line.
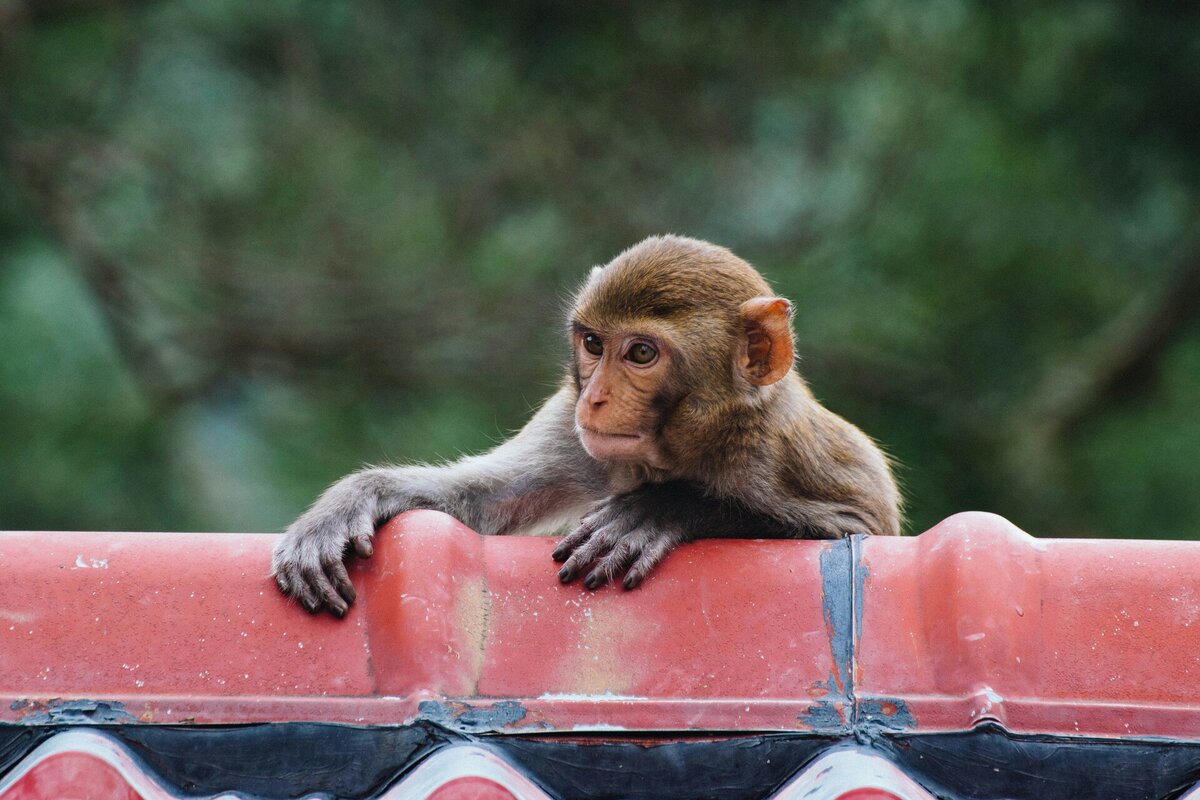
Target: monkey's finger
(362, 545)
(291, 583)
(341, 580)
(617, 560)
(599, 543)
(596, 579)
(572, 541)
(322, 590)
(283, 582)
(569, 571)
(596, 545)
(329, 592)
(654, 552)
(572, 565)
(304, 593)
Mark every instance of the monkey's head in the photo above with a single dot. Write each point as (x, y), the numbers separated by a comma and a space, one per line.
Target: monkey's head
(669, 340)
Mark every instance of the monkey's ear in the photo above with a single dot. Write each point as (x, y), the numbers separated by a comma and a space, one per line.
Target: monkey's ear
(767, 351)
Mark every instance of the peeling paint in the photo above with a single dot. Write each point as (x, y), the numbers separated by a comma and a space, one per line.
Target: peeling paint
(887, 714)
(826, 716)
(472, 719)
(834, 712)
(72, 712)
(837, 568)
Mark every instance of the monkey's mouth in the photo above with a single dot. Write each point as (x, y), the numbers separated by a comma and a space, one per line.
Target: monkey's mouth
(599, 436)
(606, 446)
(594, 432)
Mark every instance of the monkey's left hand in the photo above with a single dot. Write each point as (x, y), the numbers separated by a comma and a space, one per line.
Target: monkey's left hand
(629, 533)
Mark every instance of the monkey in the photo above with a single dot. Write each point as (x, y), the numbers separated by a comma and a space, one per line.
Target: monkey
(681, 416)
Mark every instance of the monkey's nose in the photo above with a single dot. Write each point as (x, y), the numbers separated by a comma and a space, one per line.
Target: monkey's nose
(595, 397)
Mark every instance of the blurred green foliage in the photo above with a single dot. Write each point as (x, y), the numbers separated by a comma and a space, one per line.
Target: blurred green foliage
(246, 247)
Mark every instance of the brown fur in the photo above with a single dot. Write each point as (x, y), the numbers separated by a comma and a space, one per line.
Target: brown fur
(720, 430)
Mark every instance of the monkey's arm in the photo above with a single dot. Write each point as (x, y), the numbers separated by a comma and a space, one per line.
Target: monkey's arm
(540, 478)
(632, 532)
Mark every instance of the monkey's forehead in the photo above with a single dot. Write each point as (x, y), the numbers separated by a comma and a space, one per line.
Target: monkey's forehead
(667, 277)
(616, 309)
(675, 300)
(671, 309)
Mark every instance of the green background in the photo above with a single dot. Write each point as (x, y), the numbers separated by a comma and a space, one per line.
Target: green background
(248, 247)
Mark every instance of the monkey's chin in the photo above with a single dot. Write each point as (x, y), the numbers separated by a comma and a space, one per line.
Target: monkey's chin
(614, 446)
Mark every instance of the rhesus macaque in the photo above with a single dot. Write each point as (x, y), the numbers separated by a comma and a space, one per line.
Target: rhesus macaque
(680, 417)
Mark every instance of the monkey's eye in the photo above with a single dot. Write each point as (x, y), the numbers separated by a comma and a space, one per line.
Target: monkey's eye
(592, 343)
(641, 353)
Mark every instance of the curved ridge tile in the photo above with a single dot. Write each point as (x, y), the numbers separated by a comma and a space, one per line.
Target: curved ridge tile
(977, 621)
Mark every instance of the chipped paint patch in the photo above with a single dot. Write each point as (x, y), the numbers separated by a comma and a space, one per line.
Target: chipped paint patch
(467, 718)
(90, 563)
(826, 716)
(887, 714)
(71, 712)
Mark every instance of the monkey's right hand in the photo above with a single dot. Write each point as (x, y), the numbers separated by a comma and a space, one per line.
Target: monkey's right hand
(309, 561)
(627, 534)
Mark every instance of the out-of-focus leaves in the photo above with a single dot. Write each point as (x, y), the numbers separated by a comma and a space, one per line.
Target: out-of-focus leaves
(248, 247)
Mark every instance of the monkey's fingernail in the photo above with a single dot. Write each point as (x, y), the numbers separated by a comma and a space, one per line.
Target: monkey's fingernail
(632, 580)
(565, 574)
(593, 581)
(559, 555)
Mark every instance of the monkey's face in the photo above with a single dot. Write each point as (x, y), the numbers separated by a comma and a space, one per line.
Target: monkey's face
(623, 382)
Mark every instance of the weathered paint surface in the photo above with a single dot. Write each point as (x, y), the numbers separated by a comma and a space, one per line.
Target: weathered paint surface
(71, 712)
(975, 620)
(505, 714)
(971, 622)
(475, 633)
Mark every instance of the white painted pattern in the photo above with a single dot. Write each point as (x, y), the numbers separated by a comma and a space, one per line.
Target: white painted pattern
(103, 748)
(841, 771)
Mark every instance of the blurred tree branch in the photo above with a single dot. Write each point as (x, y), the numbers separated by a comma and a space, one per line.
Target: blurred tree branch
(1122, 353)
(1125, 351)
